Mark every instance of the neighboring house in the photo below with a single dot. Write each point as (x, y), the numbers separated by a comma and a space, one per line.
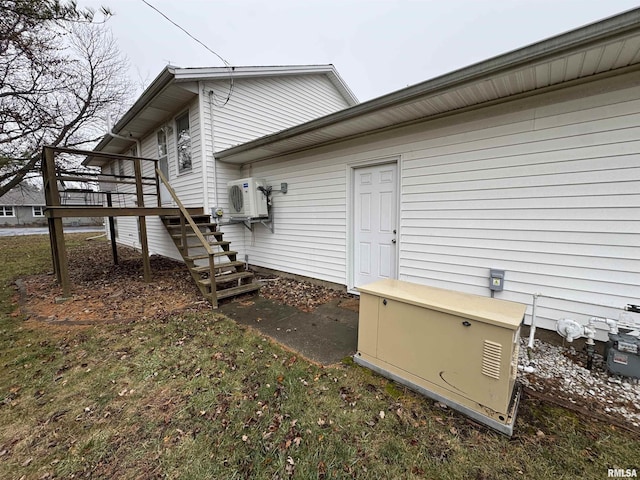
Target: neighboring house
(187, 115)
(528, 162)
(22, 206)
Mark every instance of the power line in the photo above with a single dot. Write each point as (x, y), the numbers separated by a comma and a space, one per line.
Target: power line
(227, 65)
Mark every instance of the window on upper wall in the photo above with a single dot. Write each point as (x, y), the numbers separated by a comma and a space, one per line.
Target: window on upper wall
(38, 211)
(162, 143)
(183, 143)
(6, 212)
(163, 153)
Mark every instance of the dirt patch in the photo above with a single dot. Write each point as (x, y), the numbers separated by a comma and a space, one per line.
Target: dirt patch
(352, 304)
(105, 293)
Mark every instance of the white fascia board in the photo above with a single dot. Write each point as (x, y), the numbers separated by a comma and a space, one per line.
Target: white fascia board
(216, 73)
(626, 23)
(206, 73)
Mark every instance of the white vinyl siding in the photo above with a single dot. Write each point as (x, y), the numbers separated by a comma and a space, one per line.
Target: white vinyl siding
(546, 188)
(187, 184)
(258, 107)
(310, 220)
(261, 106)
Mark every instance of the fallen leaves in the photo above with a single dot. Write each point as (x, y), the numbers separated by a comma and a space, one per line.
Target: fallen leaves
(305, 296)
(290, 467)
(99, 295)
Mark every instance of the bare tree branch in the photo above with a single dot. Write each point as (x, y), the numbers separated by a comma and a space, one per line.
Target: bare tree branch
(60, 75)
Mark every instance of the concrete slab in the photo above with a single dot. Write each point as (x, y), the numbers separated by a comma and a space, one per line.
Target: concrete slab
(326, 336)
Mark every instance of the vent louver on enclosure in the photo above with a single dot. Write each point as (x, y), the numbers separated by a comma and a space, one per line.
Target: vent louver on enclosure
(491, 357)
(235, 198)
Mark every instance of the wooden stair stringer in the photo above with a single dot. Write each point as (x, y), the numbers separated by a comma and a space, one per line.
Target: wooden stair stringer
(231, 276)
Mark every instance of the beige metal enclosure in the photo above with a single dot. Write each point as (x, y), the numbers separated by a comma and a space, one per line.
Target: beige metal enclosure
(458, 348)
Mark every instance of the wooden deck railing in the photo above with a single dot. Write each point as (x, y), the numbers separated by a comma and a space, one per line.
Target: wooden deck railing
(185, 218)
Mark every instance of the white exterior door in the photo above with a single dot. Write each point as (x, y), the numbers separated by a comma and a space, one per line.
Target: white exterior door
(375, 223)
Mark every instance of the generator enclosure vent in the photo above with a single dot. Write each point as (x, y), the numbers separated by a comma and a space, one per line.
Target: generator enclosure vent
(246, 200)
(459, 349)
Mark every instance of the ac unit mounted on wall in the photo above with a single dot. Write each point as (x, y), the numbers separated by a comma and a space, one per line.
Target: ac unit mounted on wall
(246, 200)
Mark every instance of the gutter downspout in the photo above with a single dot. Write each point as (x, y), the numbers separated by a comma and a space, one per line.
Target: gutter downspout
(203, 148)
(213, 151)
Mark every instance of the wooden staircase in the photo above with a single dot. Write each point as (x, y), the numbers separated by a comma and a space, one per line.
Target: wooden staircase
(213, 265)
(210, 260)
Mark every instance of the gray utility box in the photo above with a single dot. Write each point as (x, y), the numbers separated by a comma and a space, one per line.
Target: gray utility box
(623, 355)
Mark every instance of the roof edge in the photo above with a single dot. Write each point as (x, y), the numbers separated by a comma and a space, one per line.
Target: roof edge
(610, 27)
(212, 73)
(157, 85)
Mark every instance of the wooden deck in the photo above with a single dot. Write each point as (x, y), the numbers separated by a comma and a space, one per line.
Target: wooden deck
(190, 229)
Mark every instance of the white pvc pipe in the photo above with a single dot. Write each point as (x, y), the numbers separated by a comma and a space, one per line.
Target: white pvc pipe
(532, 329)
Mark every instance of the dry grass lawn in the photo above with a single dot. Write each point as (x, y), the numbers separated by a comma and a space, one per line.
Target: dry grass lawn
(193, 395)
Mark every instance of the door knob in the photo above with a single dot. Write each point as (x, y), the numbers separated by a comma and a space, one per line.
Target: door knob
(393, 241)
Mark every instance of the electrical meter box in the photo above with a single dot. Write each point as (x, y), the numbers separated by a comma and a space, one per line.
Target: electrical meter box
(457, 348)
(496, 280)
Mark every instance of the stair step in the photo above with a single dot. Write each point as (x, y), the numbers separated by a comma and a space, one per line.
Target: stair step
(206, 255)
(222, 243)
(230, 277)
(232, 292)
(170, 220)
(205, 268)
(205, 234)
(198, 224)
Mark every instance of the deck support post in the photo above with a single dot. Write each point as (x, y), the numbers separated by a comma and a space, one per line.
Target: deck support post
(56, 231)
(112, 231)
(63, 264)
(142, 221)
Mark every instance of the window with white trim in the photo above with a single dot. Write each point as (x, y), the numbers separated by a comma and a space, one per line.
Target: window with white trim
(183, 143)
(163, 153)
(162, 143)
(38, 211)
(7, 212)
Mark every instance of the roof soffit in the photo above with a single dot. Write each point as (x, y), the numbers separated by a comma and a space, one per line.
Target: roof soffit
(525, 71)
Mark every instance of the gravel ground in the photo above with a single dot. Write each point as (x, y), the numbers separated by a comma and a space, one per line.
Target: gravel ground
(560, 372)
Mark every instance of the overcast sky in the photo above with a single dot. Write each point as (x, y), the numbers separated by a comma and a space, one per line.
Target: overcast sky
(377, 46)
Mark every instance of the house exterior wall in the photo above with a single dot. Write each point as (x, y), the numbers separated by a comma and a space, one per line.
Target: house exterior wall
(258, 106)
(22, 215)
(188, 184)
(546, 188)
(263, 105)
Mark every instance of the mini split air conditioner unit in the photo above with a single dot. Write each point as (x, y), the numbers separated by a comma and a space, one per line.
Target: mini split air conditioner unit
(246, 200)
